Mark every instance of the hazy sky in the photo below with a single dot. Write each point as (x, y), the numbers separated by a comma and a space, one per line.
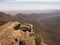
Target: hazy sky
(29, 4)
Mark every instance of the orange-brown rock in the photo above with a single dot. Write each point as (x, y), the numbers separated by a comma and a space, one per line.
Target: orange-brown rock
(14, 33)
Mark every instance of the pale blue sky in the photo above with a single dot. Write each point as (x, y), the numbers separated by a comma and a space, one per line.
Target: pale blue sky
(29, 4)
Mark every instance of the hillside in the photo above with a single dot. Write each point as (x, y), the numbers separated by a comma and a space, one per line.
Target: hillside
(4, 18)
(53, 30)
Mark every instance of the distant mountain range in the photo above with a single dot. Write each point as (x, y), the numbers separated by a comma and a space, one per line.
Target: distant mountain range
(14, 12)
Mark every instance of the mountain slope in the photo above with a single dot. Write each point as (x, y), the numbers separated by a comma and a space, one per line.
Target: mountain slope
(4, 18)
(46, 24)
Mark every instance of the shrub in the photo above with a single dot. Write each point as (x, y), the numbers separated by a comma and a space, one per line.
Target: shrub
(38, 39)
(3, 22)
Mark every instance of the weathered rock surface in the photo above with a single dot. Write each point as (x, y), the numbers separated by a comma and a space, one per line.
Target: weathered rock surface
(14, 33)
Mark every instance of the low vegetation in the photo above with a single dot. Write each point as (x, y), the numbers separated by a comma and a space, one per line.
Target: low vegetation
(38, 39)
(3, 22)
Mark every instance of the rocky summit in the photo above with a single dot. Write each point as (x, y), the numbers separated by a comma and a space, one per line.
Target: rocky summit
(14, 33)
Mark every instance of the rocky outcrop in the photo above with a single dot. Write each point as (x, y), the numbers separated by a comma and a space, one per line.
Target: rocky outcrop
(14, 33)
